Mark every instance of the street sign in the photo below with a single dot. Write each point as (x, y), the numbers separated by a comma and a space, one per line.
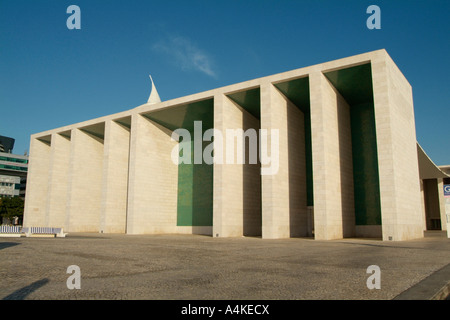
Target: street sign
(446, 190)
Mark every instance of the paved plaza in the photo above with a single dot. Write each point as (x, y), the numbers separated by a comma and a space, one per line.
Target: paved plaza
(182, 267)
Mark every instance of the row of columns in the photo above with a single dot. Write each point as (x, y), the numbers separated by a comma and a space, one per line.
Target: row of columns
(126, 182)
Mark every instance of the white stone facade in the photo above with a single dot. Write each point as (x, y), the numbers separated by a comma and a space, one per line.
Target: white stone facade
(114, 174)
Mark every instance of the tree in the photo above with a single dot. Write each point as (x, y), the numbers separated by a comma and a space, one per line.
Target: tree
(11, 207)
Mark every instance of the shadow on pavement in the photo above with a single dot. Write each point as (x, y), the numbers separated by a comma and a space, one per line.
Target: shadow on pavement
(5, 245)
(22, 293)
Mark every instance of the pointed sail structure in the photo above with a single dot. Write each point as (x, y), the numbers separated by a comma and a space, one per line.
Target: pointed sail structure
(154, 96)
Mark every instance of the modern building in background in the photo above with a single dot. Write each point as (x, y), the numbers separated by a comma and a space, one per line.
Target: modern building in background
(435, 187)
(13, 170)
(342, 132)
(6, 144)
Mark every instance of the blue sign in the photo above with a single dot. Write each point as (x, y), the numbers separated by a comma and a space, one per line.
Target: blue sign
(446, 190)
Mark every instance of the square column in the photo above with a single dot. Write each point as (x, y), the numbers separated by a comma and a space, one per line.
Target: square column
(153, 178)
(440, 188)
(284, 200)
(423, 206)
(115, 178)
(237, 183)
(334, 216)
(37, 183)
(85, 182)
(57, 181)
(400, 197)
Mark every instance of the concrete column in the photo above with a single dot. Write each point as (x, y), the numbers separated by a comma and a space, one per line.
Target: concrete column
(284, 205)
(85, 183)
(237, 185)
(423, 206)
(115, 178)
(440, 189)
(37, 183)
(397, 152)
(153, 179)
(447, 213)
(332, 161)
(57, 181)
(432, 204)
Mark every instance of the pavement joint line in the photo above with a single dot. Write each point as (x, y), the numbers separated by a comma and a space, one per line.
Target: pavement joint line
(434, 287)
(442, 294)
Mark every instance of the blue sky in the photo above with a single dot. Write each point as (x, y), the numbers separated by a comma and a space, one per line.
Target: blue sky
(51, 76)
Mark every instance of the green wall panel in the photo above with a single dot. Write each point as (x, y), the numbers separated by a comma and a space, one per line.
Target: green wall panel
(354, 83)
(250, 100)
(297, 91)
(195, 192)
(365, 165)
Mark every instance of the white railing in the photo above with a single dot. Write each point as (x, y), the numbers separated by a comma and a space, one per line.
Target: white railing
(29, 231)
(10, 229)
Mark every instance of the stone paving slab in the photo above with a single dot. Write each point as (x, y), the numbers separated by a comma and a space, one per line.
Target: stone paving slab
(193, 267)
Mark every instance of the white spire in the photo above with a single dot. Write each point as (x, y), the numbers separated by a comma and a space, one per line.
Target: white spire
(154, 96)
